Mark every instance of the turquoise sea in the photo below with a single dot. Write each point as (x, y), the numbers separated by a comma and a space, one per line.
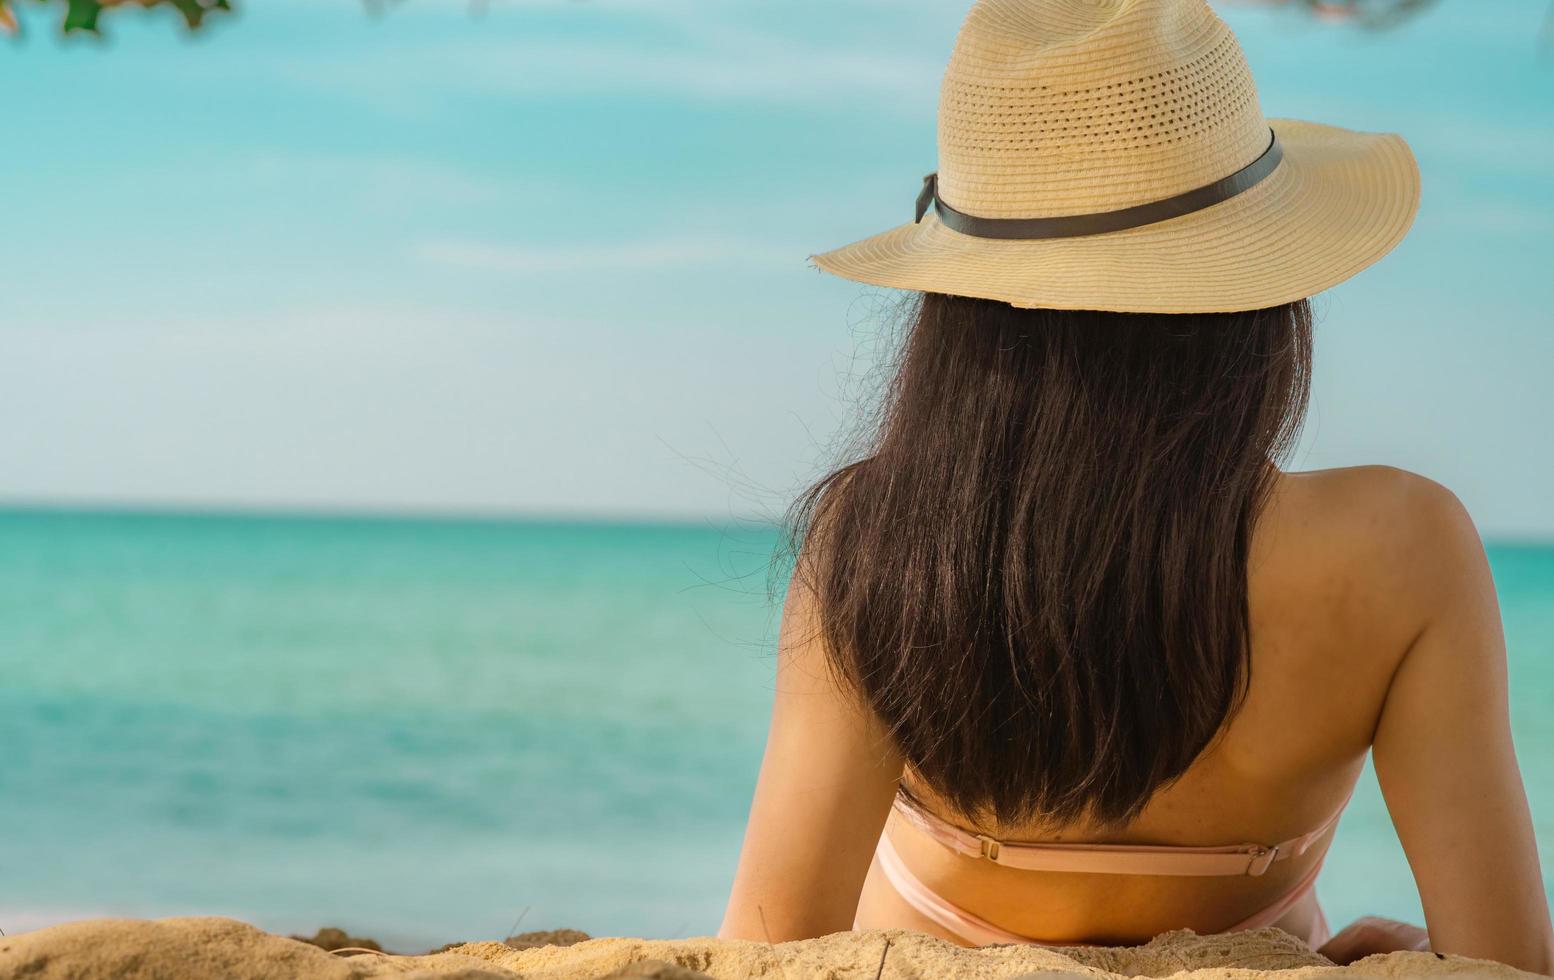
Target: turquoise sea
(427, 730)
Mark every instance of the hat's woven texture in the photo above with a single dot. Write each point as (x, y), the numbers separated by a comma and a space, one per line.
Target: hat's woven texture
(1064, 107)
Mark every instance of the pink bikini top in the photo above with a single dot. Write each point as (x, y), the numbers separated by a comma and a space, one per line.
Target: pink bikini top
(1123, 859)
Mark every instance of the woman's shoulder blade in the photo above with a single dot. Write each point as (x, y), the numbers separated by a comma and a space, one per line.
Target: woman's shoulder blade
(1366, 548)
(1379, 518)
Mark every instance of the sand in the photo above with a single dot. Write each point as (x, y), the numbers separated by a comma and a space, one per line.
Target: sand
(191, 948)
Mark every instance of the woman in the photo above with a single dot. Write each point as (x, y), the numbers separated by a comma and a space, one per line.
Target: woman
(1066, 657)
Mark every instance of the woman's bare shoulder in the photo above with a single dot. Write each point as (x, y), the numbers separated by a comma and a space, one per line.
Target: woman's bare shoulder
(1348, 567)
(1365, 547)
(1371, 514)
(1369, 547)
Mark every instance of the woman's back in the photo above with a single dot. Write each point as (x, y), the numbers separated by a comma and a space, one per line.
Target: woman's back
(1341, 562)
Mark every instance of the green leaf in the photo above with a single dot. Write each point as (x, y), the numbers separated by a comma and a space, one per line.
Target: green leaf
(81, 15)
(194, 11)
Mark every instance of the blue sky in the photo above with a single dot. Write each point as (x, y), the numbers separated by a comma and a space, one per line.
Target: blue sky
(550, 259)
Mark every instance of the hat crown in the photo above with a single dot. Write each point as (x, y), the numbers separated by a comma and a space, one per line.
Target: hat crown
(1061, 107)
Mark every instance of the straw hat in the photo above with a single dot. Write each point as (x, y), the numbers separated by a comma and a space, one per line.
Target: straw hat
(1112, 155)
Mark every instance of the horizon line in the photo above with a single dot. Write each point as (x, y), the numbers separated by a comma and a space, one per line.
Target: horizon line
(409, 513)
(477, 515)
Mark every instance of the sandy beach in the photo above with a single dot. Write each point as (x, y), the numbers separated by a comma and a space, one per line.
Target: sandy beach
(196, 948)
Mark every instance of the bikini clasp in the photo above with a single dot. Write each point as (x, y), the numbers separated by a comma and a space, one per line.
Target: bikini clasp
(1262, 859)
(989, 847)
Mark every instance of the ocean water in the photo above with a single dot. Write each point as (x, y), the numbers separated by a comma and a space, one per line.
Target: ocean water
(428, 731)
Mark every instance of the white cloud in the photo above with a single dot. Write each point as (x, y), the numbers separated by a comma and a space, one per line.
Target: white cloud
(384, 179)
(405, 407)
(678, 252)
(693, 55)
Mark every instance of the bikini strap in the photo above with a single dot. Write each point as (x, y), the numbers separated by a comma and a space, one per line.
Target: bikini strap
(1129, 859)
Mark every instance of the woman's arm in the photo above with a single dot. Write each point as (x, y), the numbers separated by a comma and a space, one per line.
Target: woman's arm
(1444, 757)
(826, 785)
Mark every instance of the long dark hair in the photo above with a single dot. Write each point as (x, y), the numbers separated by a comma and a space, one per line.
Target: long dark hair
(1036, 572)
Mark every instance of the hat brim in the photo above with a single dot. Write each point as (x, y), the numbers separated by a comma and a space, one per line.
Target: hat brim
(1338, 202)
